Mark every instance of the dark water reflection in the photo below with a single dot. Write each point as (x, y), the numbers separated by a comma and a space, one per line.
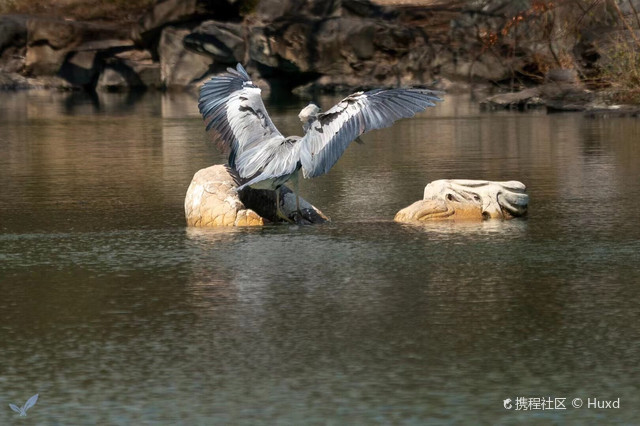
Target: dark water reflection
(117, 314)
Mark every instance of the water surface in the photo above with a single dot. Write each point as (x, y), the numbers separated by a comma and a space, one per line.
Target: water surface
(116, 313)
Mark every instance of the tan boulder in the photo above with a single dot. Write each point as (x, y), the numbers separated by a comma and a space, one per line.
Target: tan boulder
(464, 199)
(212, 200)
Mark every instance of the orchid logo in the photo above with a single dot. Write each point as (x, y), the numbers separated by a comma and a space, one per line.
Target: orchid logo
(23, 410)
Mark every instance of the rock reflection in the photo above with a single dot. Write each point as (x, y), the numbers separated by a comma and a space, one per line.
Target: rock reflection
(212, 237)
(514, 228)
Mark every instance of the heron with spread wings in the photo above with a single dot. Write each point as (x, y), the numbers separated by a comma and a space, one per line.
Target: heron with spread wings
(232, 108)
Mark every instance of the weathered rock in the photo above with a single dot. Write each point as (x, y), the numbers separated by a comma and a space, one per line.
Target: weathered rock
(130, 69)
(212, 200)
(555, 96)
(269, 10)
(12, 59)
(322, 45)
(50, 40)
(13, 42)
(80, 68)
(171, 12)
(83, 63)
(452, 87)
(127, 70)
(463, 199)
(13, 31)
(180, 67)
(524, 99)
(564, 75)
(343, 52)
(486, 67)
(140, 62)
(13, 81)
(54, 32)
(268, 46)
(223, 41)
(114, 80)
(566, 97)
(362, 8)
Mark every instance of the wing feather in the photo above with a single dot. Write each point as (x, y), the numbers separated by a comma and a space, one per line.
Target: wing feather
(273, 160)
(331, 132)
(233, 110)
(31, 402)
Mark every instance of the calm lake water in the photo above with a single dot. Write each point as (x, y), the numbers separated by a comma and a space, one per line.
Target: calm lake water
(116, 313)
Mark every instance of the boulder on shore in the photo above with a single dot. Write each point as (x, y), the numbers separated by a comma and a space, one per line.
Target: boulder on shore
(212, 200)
(464, 199)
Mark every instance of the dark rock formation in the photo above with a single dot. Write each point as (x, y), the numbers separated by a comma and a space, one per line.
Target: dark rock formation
(13, 42)
(562, 92)
(310, 46)
(223, 41)
(49, 41)
(175, 12)
(129, 69)
(180, 67)
(522, 100)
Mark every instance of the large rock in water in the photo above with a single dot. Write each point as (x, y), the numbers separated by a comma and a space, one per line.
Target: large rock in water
(466, 199)
(212, 200)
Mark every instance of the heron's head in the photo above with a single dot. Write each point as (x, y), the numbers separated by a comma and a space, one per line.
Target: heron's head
(309, 113)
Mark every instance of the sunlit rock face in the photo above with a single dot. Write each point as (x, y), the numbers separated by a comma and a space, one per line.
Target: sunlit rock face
(212, 200)
(465, 199)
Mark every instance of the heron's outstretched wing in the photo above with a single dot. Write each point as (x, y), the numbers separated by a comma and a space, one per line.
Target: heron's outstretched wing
(232, 107)
(329, 135)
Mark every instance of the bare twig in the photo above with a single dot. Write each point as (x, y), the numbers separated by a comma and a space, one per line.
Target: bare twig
(550, 39)
(632, 33)
(635, 12)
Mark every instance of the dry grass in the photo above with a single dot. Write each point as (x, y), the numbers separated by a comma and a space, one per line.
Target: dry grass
(87, 10)
(621, 69)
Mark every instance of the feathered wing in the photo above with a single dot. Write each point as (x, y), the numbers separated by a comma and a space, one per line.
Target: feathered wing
(31, 402)
(331, 133)
(272, 160)
(232, 108)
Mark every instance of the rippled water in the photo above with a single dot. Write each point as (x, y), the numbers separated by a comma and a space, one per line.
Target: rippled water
(116, 313)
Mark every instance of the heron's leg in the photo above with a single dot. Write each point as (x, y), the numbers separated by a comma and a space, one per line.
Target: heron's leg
(295, 190)
(279, 212)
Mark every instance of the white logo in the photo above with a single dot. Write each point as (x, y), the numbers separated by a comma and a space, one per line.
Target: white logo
(23, 410)
(507, 403)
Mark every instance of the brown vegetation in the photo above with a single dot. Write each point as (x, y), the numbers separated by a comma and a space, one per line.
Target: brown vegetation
(125, 11)
(598, 38)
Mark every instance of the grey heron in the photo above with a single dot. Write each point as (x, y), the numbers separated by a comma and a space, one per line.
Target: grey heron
(232, 108)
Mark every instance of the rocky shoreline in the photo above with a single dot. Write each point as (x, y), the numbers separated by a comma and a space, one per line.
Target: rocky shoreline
(304, 46)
